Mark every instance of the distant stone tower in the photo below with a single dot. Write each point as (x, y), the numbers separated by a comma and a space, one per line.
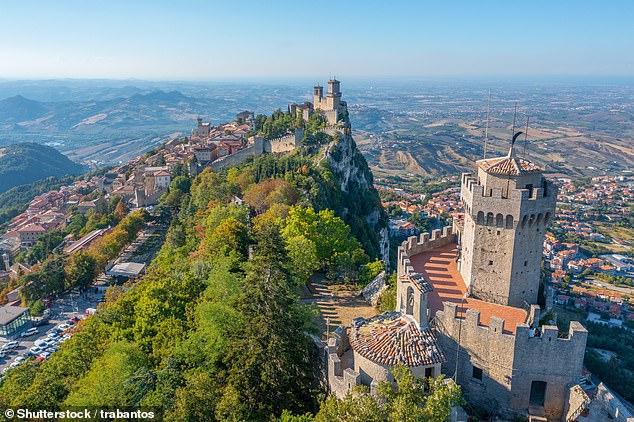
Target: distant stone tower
(333, 96)
(507, 207)
(318, 94)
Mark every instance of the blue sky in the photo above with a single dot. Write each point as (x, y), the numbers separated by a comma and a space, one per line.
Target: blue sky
(207, 40)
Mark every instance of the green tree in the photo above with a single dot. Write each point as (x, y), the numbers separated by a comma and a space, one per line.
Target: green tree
(334, 246)
(113, 381)
(272, 359)
(81, 269)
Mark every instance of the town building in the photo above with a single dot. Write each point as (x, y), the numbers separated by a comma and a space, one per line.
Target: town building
(12, 319)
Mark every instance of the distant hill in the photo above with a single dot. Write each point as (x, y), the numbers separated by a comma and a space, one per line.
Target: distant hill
(28, 162)
(17, 109)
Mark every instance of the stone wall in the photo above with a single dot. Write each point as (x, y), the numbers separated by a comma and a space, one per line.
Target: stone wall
(372, 292)
(558, 361)
(237, 157)
(285, 143)
(612, 405)
(340, 379)
(415, 245)
(467, 344)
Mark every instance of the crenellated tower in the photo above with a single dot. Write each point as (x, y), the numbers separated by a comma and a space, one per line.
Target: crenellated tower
(508, 205)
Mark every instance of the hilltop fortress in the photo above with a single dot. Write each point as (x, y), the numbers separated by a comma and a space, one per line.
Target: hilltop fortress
(467, 306)
(331, 107)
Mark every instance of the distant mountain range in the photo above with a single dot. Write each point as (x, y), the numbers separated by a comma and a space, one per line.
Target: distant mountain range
(405, 128)
(28, 162)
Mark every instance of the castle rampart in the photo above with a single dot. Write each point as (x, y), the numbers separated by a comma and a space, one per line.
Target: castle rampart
(507, 369)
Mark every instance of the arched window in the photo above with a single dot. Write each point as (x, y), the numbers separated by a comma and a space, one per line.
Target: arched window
(409, 306)
(490, 220)
(547, 218)
(524, 220)
(539, 218)
(480, 218)
(509, 221)
(499, 220)
(531, 220)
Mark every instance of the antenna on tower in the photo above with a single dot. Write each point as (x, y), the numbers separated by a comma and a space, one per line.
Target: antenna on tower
(513, 134)
(486, 129)
(525, 137)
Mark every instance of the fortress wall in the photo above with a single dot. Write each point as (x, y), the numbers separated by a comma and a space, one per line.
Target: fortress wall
(285, 143)
(369, 371)
(467, 344)
(237, 157)
(551, 359)
(415, 245)
(340, 380)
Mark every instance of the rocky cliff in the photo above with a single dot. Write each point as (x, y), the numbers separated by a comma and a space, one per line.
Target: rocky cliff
(360, 202)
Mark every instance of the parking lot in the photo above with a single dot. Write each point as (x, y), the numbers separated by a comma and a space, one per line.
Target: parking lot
(74, 304)
(62, 310)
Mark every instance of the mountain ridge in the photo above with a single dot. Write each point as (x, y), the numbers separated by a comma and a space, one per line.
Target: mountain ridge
(28, 162)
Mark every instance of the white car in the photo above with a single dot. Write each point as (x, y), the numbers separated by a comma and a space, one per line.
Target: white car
(10, 345)
(62, 327)
(29, 332)
(19, 359)
(35, 350)
(45, 355)
(14, 364)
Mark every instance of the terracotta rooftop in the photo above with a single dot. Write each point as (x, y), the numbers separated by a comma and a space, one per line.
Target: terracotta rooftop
(509, 165)
(392, 338)
(32, 228)
(439, 267)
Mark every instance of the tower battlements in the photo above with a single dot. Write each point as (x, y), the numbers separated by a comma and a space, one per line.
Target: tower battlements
(417, 244)
(519, 202)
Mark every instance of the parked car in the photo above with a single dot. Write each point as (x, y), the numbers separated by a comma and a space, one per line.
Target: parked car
(41, 343)
(62, 327)
(36, 350)
(31, 331)
(10, 345)
(14, 364)
(41, 322)
(45, 355)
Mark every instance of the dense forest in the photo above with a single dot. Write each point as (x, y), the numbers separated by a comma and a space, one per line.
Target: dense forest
(215, 330)
(27, 162)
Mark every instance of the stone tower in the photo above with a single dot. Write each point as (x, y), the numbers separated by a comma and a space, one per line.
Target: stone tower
(333, 96)
(507, 208)
(318, 94)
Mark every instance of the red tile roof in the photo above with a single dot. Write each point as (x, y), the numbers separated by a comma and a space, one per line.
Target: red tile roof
(513, 166)
(438, 266)
(392, 338)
